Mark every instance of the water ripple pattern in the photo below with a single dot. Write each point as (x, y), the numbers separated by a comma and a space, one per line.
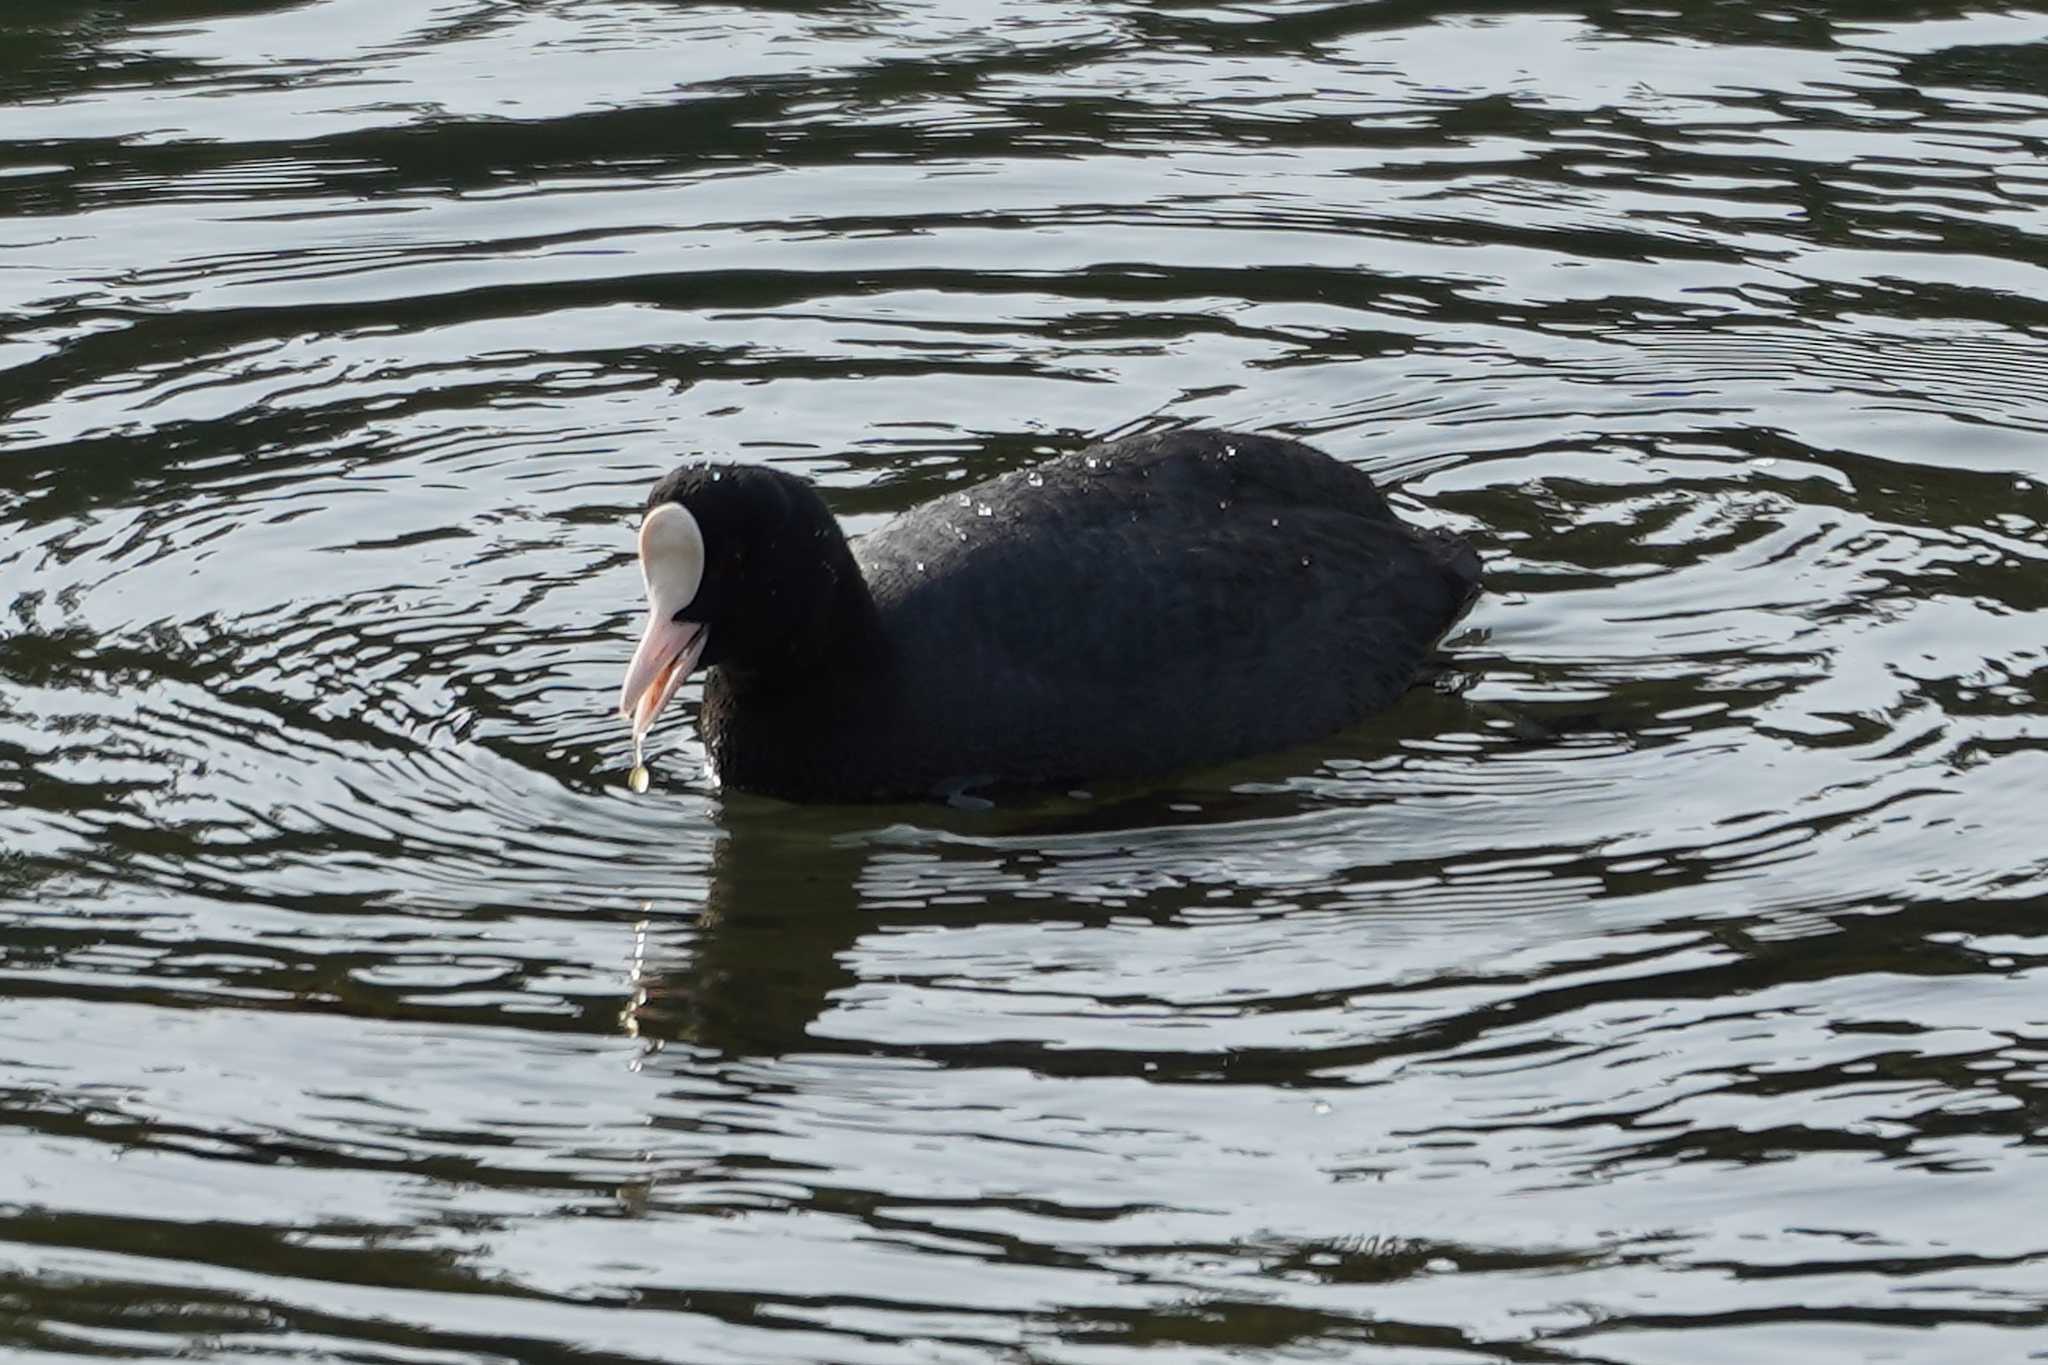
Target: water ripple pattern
(1667, 987)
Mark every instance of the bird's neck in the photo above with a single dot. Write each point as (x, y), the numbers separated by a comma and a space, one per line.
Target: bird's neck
(835, 631)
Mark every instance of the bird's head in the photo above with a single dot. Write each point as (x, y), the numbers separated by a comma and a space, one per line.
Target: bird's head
(746, 570)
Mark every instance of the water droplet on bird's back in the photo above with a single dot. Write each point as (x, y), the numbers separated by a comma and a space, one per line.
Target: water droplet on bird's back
(984, 510)
(1036, 479)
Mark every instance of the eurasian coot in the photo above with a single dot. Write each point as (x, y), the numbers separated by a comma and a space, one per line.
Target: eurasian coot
(1140, 606)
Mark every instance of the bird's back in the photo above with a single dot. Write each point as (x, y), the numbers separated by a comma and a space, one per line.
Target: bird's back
(1142, 606)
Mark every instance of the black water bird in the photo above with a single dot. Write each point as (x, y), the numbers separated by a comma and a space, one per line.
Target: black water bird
(1146, 605)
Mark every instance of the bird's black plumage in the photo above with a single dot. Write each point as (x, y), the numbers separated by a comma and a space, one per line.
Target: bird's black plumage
(1141, 606)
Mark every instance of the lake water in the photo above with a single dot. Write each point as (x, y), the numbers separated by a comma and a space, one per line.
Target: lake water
(1672, 990)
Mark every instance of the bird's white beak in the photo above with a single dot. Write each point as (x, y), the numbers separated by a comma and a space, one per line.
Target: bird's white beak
(672, 562)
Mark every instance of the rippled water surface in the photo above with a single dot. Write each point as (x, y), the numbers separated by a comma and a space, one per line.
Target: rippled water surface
(1672, 990)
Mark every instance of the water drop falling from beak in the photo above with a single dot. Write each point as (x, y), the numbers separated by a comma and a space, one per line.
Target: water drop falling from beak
(637, 779)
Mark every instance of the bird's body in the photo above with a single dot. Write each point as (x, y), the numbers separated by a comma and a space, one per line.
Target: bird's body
(1142, 606)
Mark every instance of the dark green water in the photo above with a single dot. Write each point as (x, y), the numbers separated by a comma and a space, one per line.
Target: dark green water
(1678, 993)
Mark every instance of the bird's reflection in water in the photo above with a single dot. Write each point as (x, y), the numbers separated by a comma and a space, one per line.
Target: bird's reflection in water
(793, 888)
(758, 965)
